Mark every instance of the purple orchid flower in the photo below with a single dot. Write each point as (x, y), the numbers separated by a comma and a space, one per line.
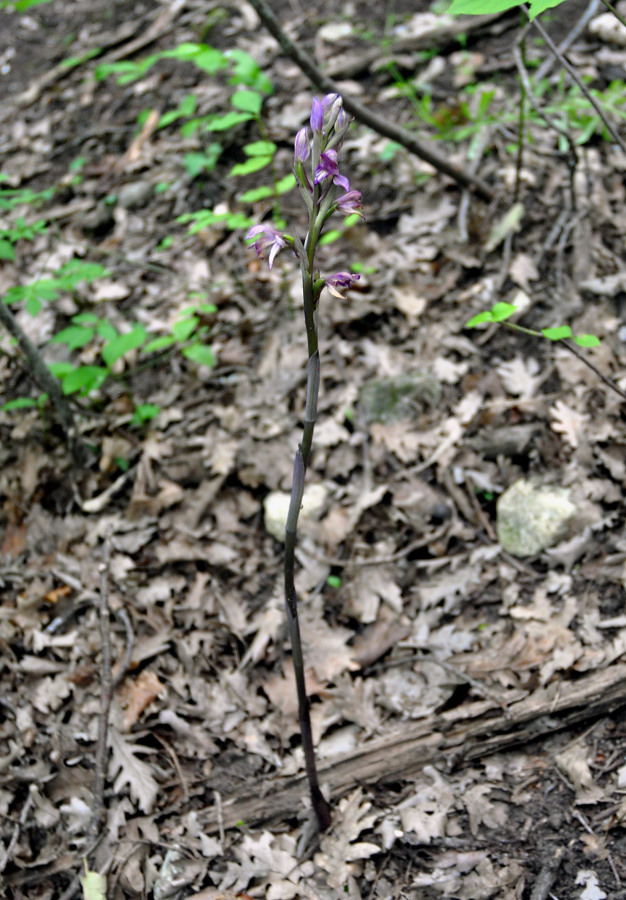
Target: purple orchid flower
(328, 168)
(350, 203)
(266, 237)
(302, 147)
(342, 281)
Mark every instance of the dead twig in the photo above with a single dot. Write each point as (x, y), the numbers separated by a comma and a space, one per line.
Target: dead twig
(46, 380)
(8, 853)
(362, 113)
(573, 74)
(569, 38)
(417, 544)
(547, 876)
(106, 692)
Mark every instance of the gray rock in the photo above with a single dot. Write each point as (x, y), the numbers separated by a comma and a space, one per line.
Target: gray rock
(531, 517)
(135, 194)
(399, 398)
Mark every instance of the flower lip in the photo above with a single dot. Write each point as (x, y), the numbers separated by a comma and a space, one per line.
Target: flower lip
(328, 168)
(341, 281)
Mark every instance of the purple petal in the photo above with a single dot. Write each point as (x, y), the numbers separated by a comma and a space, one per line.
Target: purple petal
(317, 116)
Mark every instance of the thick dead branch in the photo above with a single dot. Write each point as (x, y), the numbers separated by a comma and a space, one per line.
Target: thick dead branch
(449, 740)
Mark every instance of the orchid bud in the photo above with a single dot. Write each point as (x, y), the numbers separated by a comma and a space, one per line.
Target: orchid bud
(317, 116)
(301, 146)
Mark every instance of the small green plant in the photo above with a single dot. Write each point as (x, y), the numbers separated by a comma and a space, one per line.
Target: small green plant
(501, 312)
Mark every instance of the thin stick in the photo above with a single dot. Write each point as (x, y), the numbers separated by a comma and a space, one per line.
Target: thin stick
(106, 689)
(8, 853)
(362, 113)
(569, 39)
(571, 71)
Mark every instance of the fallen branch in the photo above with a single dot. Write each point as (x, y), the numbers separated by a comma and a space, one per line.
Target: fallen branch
(362, 113)
(455, 737)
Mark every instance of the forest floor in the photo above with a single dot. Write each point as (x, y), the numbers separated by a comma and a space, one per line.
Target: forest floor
(467, 704)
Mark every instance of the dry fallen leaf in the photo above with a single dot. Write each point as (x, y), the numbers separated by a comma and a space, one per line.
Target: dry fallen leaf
(568, 422)
(137, 694)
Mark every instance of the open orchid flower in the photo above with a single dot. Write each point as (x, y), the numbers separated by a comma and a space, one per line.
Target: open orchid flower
(342, 281)
(266, 238)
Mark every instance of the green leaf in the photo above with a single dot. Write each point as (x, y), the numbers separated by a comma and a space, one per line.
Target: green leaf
(196, 163)
(76, 270)
(285, 184)
(330, 237)
(483, 7)
(32, 306)
(251, 165)
(502, 311)
(229, 120)
(255, 194)
(247, 101)
(120, 345)
(74, 336)
(84, 380)
(106, 331)
(479, 7)
(61, 369)
(334, 581)
(22, 5)
(246, 70)
(557, 334)
(18, 403)
(160, 343)
(184, 328)
(480, 319)
(94, 886)
(586, 340)
(85, 319)
(144, 413)
(201, 55)
(260, 148)
(6, 250)
(201, 354)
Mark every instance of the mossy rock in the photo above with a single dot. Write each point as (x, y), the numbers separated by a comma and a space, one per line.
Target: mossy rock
(399, 398)
(532, 517)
